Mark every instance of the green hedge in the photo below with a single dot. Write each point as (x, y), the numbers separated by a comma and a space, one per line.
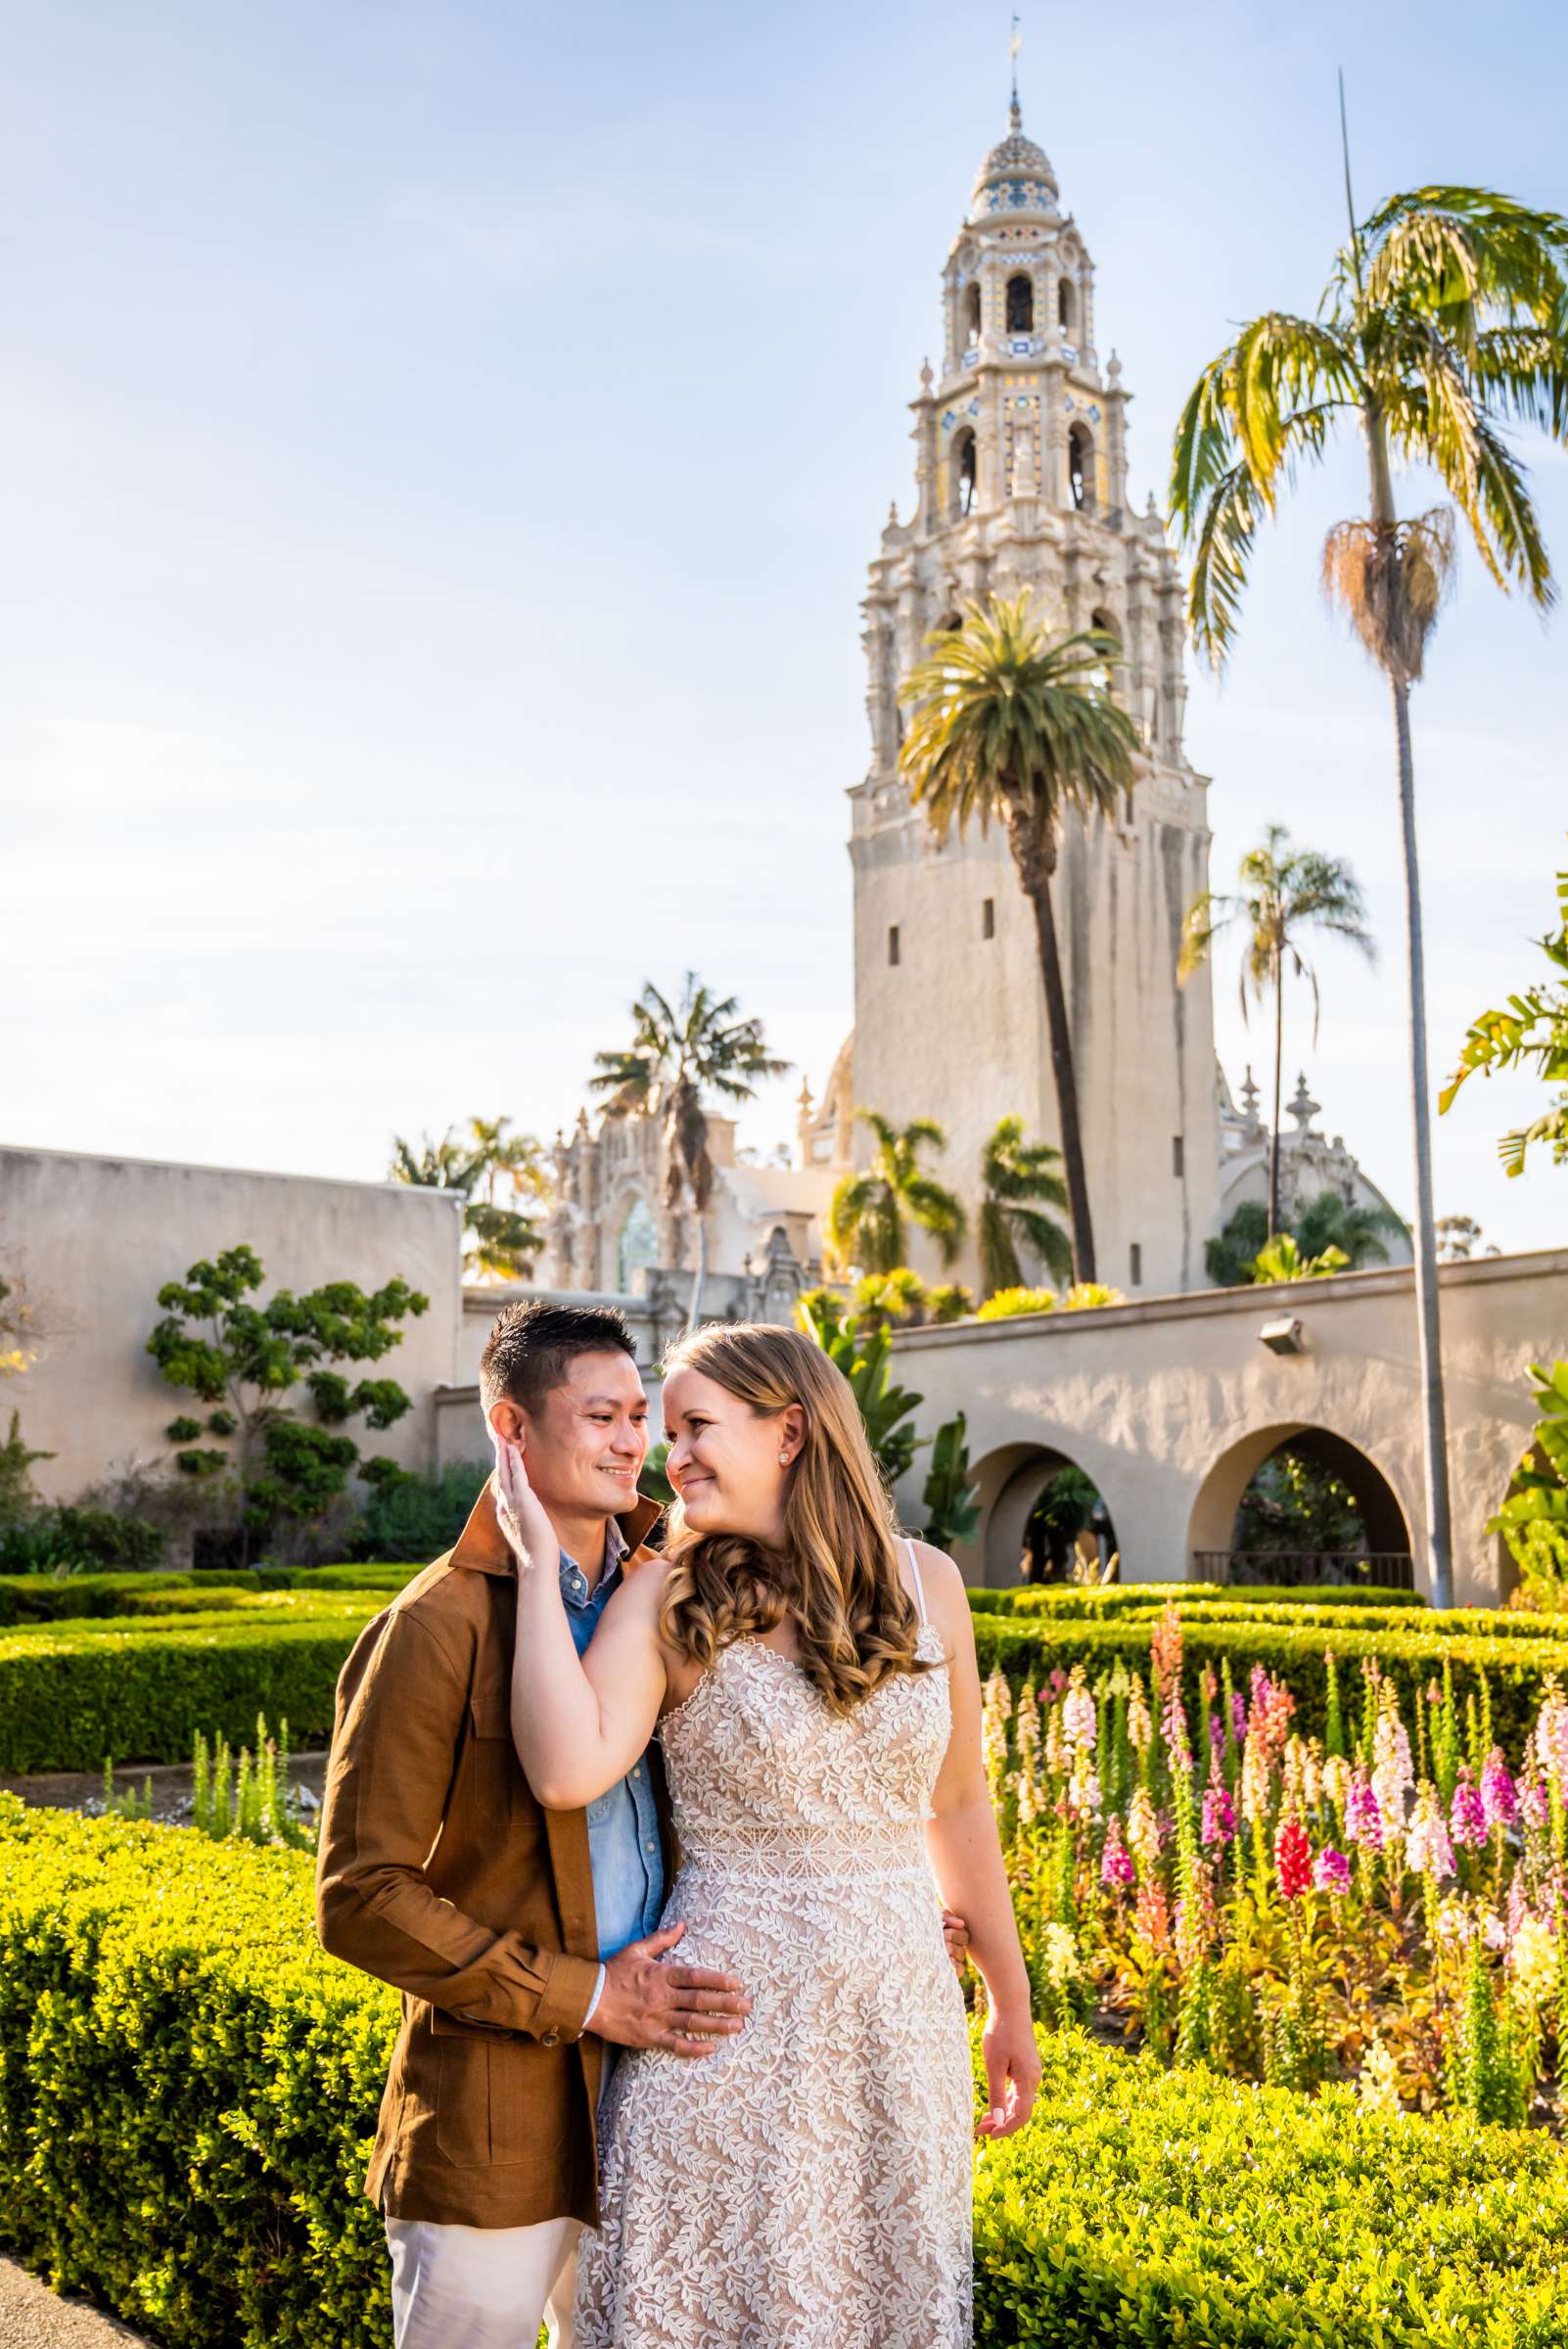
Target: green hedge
(188, 2091)
(1464, 1623)
(1148, 2209)
(47, 1598)
(1094, 1603)
(1515, 1668)
(76, 1695)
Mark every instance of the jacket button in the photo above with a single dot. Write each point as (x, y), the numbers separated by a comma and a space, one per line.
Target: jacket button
(552, 2038)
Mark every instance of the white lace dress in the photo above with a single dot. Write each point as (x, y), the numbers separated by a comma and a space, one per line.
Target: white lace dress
(809, 2187)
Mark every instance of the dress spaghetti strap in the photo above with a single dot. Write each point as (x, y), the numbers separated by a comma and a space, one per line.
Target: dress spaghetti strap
(920, 1589)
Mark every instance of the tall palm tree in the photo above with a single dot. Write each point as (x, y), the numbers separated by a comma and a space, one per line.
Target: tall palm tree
(1013, 724)
(1017, 1180)
(504, 1241)
(1445, 313)
(675, 1056)
(1284, 891)
(869, 1215)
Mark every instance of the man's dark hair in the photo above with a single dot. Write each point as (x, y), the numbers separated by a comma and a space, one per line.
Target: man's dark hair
(526, 1353)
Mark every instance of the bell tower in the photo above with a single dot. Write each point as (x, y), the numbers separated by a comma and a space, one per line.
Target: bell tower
(1020, 482)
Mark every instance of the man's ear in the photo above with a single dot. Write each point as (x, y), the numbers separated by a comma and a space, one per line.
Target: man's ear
(509, 1421)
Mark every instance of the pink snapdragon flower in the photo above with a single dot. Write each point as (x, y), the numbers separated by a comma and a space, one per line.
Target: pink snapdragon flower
(1363, 1817)
(1331, 1870)
(1219, 1814)
(1116, 1860)
(1079, 1722)
(1499, 1797)
(1428, 1850)
(1468, 1818)
(1293, 1859)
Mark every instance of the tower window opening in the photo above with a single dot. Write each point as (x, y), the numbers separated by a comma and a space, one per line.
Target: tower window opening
(988, 919)
(1135, 1265)
(972, 311)
(892, 947)
(1081, 468)
(963, 472)
(1020, 306)
(1065, 304)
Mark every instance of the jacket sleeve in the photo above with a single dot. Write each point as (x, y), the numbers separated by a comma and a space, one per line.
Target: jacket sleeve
(402, 1705)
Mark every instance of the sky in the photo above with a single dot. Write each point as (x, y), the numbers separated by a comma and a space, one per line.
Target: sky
(444, 447)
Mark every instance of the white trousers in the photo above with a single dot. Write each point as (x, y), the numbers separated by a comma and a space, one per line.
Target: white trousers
(481, 2287)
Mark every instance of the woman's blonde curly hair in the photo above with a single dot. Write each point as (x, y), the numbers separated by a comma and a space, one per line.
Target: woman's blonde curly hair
(837, 1572)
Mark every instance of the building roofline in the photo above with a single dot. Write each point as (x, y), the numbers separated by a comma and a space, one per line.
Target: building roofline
(187, 1166)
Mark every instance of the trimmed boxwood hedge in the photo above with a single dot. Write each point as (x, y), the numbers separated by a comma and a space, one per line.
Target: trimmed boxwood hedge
(1515, 1668)
(1226, 1606)
(1097, 1603)
(73, 1696)
(188, 2091)
(44, 1599)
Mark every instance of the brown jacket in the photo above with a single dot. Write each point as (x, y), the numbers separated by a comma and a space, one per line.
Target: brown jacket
(440, 1872)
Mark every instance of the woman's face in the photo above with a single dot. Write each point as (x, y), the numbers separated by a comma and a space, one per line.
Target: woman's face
(728, 1463)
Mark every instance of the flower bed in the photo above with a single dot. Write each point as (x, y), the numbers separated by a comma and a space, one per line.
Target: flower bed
(1370, 1885)
(188, 2091)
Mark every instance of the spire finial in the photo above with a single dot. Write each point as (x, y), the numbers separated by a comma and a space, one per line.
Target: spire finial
(1015, 119)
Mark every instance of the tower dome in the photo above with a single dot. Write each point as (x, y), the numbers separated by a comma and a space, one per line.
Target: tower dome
(1015, 177)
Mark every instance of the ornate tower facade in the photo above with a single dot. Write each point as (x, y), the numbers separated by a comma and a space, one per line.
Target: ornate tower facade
(1020, 482)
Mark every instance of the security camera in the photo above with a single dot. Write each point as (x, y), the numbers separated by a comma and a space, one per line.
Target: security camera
(1284, 1335)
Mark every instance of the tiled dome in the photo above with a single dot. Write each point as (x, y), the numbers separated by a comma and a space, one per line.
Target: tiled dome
(1015, 177)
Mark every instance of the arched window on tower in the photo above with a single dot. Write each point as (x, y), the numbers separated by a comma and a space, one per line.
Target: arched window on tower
(963, 474)
(1081, 467)
(1065, 304)
(972, 311)
(1020, 306)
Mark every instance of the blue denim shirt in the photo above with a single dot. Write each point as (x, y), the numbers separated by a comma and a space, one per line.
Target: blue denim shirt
(628, 1869)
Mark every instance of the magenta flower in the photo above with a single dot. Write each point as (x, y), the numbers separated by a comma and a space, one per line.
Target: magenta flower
(1535, 1803)
(1467, 1820)
(1116, 1861)
(1216, 1738)
(1363, 1819)
(1331, 1870)
(1219, 1814)
(1238, 1716)
(1500, 1798)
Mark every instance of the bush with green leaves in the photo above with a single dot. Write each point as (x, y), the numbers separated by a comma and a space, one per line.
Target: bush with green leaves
(417, 1517)
(1109, 1599)
(238, 1358)
(188, 2091)
(69, 1539)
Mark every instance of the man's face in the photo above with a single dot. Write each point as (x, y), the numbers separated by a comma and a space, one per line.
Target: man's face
(584, 1443)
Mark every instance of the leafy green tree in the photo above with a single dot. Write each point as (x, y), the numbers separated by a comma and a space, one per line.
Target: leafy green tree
(902, 1299)
(675, 1056)
(19, 1497)
(952, 1512)
(1280, 1258)
(1445, 314)
(869, 1215)
(1360, 1233)
(239, 1358)
(1284, 892)
(1291, 1503)
(1018, 1181)
(1063, 1511)
(1457, 1239)
(1532, 1032)
(1534, 1519)
(503, 1240)
(1013, 726)
(18, 1332)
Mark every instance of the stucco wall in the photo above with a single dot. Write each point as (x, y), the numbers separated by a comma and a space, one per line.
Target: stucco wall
(1170, 1406)
(93, 1240)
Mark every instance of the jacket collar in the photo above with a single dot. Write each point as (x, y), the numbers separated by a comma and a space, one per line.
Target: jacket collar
(482, 1544)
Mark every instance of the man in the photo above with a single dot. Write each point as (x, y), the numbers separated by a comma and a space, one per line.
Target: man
(507, 1928)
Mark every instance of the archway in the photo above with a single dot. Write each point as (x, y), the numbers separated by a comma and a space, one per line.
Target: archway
(962, 473)
(1037, 1510)
(1299, 1504)
(1081, 467)
(1020, 304)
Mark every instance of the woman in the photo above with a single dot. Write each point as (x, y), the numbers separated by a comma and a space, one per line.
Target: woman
(814, 1681)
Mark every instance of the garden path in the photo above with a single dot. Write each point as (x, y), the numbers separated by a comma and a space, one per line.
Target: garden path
(33, 2317)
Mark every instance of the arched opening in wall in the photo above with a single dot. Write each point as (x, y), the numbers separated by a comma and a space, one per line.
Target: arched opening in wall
(963, 464)
(1299, 1504)
(1043, 1519)
(1020, 306)
(636, 1245)
(972, 311)
(1081, 467)
(1066, 305)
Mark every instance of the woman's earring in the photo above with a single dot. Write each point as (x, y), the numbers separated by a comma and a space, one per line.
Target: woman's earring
(783, 1459)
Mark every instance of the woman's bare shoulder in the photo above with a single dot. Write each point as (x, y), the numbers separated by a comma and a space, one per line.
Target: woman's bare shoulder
(946, 1598)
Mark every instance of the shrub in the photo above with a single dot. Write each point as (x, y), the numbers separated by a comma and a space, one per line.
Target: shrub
(418, 1517)
(170, 2032)
(39, 1598)
(70, 1540)
(73, 1696)
(1104, 1603)
(1006, 1303)
(1515, 1670)
(1143, 2208)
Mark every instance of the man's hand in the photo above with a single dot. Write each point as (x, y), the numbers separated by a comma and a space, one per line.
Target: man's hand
(955, 1933)
(685, 2009)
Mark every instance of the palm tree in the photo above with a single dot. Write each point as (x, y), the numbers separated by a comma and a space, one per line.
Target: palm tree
(1013, 724)
(1284, 891)
(1017, 1179)
(1445, 314)
(505, 1241)
(675, 1057)
(869, 1215)
(1361, 1233)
